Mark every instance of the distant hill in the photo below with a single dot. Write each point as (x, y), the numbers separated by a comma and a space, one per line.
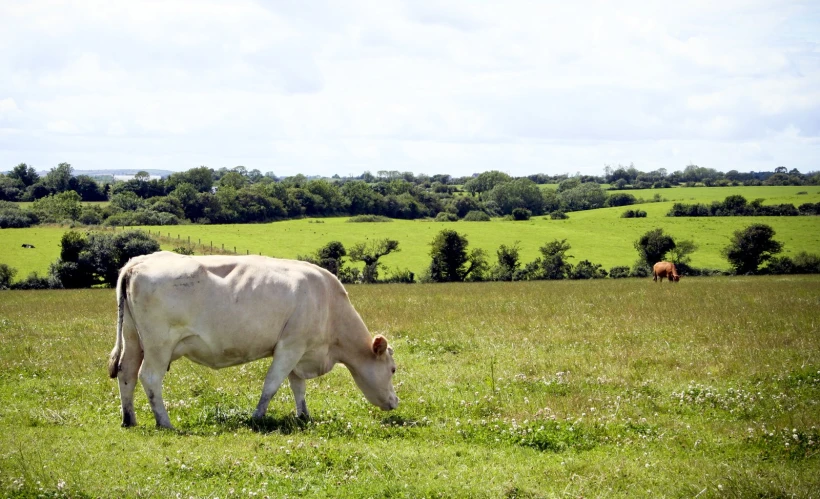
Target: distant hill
(124, 172)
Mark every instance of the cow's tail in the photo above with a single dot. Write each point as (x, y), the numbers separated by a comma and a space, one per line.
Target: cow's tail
(114, 358)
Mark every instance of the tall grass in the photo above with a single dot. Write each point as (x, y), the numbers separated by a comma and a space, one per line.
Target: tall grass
(616, 388)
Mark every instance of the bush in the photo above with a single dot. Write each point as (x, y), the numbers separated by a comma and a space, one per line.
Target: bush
(640, 269)
(587, 270)
(558, 215)
(620, 199)
(619, 272)
(34, 281)
(802, 263)
(184, 250)
(446, 217)
(521, 214)
(476, 216)
(751, 247)
(97, 258)
(6, 275)
(368, 218)
(653, 246)
(401, 277)
(12, 217)
(633, 214)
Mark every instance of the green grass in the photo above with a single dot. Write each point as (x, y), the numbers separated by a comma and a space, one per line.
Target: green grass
(600, 236)
(618, 388)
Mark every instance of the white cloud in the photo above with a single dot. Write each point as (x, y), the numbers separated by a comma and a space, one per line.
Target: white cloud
(424, 86)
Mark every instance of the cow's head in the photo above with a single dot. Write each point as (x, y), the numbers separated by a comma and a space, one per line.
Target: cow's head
(374, 376)
(675, 277)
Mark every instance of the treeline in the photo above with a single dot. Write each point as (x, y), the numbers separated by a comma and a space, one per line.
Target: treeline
(203, 195)
(623, 177)
(738, 206)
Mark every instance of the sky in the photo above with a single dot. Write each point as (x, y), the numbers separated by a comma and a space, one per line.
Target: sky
(453, 87)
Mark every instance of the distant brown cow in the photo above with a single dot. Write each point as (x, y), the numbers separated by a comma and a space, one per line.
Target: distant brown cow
(665, 269)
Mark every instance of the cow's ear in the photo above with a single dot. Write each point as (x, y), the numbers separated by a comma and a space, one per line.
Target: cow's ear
(379, 344)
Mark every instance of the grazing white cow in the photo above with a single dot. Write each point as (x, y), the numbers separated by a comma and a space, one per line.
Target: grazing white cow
(222, 311)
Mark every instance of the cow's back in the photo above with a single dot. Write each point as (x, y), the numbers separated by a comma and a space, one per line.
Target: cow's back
(227, 310)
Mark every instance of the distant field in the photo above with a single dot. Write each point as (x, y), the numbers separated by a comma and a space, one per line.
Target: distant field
(600, 236)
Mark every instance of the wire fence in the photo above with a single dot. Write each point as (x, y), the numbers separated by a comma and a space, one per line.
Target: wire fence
(197, 246)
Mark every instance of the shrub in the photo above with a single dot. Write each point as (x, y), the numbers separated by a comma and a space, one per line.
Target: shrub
(34, 281)
(12, 217)
(446, 217)
(587, 270)
(476, 216)
(402, 277)
(640, 269)
(653, 246)
(619, 272)
(521, 214)
(184, 250)
(620, 199)
(97, 258)
(6, 275)
(558, 215)
(633, 214)
(368, 218)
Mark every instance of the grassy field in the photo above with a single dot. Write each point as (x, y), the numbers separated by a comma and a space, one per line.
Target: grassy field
(621, 388)
(600, 236)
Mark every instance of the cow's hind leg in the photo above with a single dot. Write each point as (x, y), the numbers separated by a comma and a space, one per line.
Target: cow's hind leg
(283, 363)
(129, 367)
(154, 365)
(297, 386)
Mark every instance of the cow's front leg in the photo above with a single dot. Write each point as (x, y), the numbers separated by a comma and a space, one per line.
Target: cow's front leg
(283, 363)
(297, 386)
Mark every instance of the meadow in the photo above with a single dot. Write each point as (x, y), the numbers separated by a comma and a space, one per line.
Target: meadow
(616, 388)
(600, 236)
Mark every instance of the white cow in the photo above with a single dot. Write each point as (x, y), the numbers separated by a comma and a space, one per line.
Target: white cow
(222, 311)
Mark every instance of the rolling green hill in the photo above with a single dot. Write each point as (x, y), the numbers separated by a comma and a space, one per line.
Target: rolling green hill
(600, 236)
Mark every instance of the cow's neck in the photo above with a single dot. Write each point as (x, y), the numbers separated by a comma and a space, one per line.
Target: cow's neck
(353, 343)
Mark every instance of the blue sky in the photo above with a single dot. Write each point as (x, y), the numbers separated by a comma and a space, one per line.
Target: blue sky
(430, 87)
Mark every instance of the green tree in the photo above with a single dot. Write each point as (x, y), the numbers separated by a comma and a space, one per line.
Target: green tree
(653, 246)
(59, 178)
(201, 178)
(95, 259)
(329, 257)
(25, 174)
(369, 253)
(508, 263)
(450, 260)
(750, 247)
(681, 254)
(58, 207)
(553, 263)
(519, 193)
(485, 182)
(234, 180)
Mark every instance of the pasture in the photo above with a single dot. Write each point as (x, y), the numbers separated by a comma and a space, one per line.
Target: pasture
(617, 388)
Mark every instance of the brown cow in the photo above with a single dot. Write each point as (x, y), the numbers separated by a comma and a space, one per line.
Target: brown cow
(665, 269)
